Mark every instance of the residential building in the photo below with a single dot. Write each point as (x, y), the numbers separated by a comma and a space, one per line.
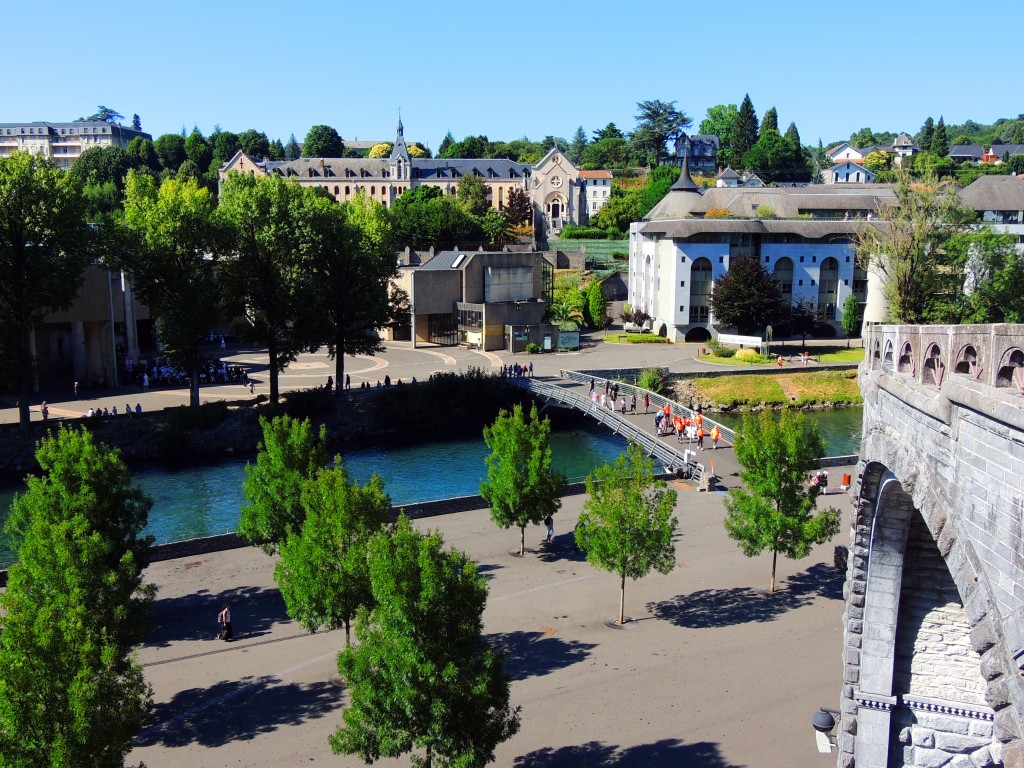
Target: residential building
(63, 142)
(597, 188)
(844, 152)
(729, 178)
(848, 172)
(966, 153)
(553, 183)
(999, 200)
(676, 254)
(997, 152)
(903, 146)
(702, 151)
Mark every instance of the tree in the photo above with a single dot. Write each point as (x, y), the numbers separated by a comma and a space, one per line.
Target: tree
(71, 690)
(659, 122)
(136, 123)
(907, 252)
(771, 157)
(770, 121)
(597, 306)
(518, 207)
(610, 131)
(323, 573)
(472, 194)
(275, 151)
(381, 150)
(851, 318)
(45, 246)
(198, 150)
(496, 228)
(800, 168)
(349, 254)
(744, 132)
(102, 165)
(323, 141)
(106, 115)
(424, 217)
(576, 147)
(606, 153)
(172, 231)
(865, 137)
(627, 524)
(925, 136)
(773, 509)
(254, 143)
(292, 151)
(170, 149)
(446, 142)
(417, 150)
(878, 161)
(262, 279)
(984, 279)
(747, 297)
(719, 122)
(142, 155)
(290, 454)
(521, 486)
(802, 318)
(940, 144)
(422, 676)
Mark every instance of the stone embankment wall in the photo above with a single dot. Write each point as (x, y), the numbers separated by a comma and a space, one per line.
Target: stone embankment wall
(934, 621)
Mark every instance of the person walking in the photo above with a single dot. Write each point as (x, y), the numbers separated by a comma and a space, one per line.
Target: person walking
(531, 369)
(591, 385)
(224, 618)
(43, 409)
(76, 390)
(715, 434)
(779, 363)
(632, 404)
(622, 405)
(550, 524)
(647, 402)
(700, 438)
(330, 384)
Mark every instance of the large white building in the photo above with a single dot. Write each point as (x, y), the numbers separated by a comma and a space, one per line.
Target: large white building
(63, 142)
(803, 236)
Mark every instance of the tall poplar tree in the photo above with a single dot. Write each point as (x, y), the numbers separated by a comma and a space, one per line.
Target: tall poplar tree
(927, 132)
(744, 132)
(770, 121)
(940, 142)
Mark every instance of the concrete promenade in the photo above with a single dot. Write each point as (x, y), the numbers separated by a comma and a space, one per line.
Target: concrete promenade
(715, 674)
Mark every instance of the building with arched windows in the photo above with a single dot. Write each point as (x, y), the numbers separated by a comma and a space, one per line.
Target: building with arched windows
(554, 184)
(803, 236)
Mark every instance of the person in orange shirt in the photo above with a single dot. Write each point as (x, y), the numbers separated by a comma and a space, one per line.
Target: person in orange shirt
(700, 438)
(715, 434)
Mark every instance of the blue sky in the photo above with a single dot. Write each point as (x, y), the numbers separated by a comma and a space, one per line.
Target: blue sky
(505, 70)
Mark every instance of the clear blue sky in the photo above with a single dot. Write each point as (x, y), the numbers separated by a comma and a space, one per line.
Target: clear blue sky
(504, 69)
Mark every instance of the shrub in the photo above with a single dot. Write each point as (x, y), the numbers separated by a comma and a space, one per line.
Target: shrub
(747, 354)
(646, 338)
(572, 232)
(650, 378)
(532, 349)
(205, 416)
(725, 352)
(718, 213)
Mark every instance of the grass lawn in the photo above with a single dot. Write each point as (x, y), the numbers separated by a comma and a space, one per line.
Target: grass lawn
(634, 338)
(837, 354)
(817, 387)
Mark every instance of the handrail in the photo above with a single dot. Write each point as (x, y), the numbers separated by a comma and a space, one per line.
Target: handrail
(662, 451)
(659, 400)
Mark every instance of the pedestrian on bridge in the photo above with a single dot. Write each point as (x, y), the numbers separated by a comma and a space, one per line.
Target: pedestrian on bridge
(647, 402)
(632, 405)
(715, 434)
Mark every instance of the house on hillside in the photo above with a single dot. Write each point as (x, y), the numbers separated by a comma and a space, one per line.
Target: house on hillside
(848, 172)
(845, 152)
(999, 200)
(597, 188)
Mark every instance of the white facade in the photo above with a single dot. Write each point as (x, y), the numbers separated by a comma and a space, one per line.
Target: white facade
(848, 173)
(63, 142)
(597, 189)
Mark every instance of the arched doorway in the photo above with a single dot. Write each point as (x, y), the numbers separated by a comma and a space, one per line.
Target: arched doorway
(555, 210)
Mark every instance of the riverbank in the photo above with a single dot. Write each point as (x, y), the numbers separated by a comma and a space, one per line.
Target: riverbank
(799, 388)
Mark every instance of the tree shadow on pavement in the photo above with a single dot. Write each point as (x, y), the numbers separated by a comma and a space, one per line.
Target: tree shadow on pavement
(667, 752)
(254, 610)
(562, 547)
(708, 608)
(532, 654)
(236, 711)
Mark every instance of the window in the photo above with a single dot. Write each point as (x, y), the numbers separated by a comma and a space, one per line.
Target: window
(721, 259)
(799, 282)
(682, 308)
(814, 259)
(682, 283)
(801, 259)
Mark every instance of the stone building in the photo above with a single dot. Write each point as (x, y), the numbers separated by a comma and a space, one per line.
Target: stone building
(63, 142)
(933, 653)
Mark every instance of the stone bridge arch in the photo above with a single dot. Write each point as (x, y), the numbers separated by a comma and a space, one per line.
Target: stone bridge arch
(933, 649)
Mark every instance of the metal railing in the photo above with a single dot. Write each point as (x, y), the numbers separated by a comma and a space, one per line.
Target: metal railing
(659, 401)
(654, 447)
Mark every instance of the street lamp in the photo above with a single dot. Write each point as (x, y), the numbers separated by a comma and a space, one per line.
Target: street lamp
(824, 723)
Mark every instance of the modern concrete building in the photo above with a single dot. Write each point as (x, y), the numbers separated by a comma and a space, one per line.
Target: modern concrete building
(804, 236)
(64, 142)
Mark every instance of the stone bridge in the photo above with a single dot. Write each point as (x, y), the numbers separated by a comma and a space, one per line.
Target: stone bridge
(934, 622)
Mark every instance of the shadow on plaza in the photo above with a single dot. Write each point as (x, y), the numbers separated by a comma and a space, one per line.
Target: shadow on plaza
(254, 610)
(667, 752)
(709, 608)
(533, 654)
(235, 711)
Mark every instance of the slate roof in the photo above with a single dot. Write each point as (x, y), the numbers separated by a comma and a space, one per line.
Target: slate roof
(809, 228)
(994, 193)
(445, 259)
(788, 202)
(440, 168)
(973, 151)
(1002, 149)
(728, 173)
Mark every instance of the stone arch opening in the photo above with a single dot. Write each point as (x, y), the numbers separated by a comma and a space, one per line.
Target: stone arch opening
(934, 368)
(967, 360)
(876, 351)
(887, 357)
(906, 364)
(1011, 370)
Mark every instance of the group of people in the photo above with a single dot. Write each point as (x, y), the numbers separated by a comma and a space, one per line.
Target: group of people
(517, 370)
(689, 427)
(97, 412)
(820, 480)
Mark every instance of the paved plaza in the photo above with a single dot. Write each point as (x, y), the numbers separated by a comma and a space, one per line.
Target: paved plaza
(715, 673)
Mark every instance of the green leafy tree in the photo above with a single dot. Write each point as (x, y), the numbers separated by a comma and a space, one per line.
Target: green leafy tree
(349, 254)
(597, 306)
(851, 318)
(172, 230)
(276, 150)
(1018, 132)
(611, 152)
(610, 131)
(142, 155)
(136, 123)
(496, 228)
(659, 182)
(518, 207)
(924, 137)
(659, 122)
(263, 278)
(770, 121)
(446, 142)
(800, 168)
(424, 217)
(744, 132)
(323, 141)
(422, 676)
(984, 279)
(802, 318)
(747, 297)
(773, 509)
(878, 161)
(469, 147)
(576, 147)
(908, 251)
(719, 122)
(106, 115)
(290, 454)
(616, 214)
(254, 143)
(627, 524)
(865, 137)
(521, 486)
(71, 692)
(940, 143)
(771, 157)
(962, 139)
(45, 246)
(170, 149)
(472, 194)
(323, 573)
(198, 150)
(292, 151)
(101, 165)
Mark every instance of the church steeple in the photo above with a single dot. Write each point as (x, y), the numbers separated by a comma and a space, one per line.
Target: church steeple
(400, 159)
(685, 182)
(401, 131)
